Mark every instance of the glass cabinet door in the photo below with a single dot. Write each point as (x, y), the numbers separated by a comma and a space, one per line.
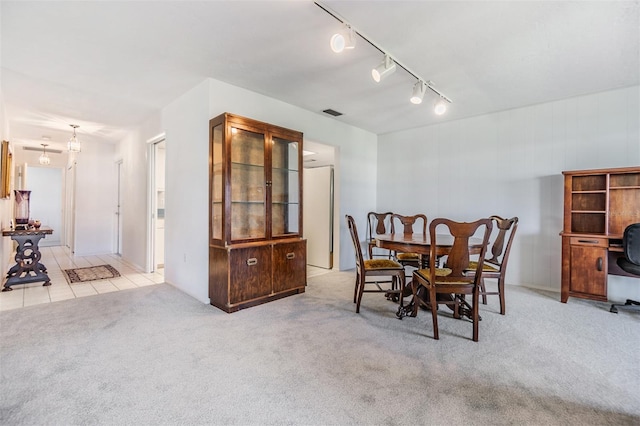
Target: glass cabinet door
(285, 187)
(217, 182)
(248, 194)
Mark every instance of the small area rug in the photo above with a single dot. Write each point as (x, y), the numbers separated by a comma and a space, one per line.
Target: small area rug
(91, 273)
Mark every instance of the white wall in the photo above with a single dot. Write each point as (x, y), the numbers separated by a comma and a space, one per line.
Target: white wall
(510, 163)
(132, 151)
(186, 121)
(187, 134)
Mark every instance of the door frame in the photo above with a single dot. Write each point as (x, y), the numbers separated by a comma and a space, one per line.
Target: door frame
(151, 200)
(119, 227)
(70, 204)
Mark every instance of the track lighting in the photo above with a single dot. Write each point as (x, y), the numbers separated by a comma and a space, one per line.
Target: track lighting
(345, 39)
(440, 107)
(385, 69)
(419, 90)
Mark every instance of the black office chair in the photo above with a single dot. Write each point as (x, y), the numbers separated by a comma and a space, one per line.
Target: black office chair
(630, 263)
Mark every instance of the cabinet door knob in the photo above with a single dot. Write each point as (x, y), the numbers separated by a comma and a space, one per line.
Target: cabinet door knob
(291, 256)
(252, 261)
(599, 264)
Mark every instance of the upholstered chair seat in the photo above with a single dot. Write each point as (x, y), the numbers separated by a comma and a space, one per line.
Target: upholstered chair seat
(407, 256)
(486, 267)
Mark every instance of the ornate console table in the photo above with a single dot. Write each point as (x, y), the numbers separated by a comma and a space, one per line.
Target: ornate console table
(28, 268)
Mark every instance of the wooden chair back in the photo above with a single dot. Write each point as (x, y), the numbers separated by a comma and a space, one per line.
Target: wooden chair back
(500, 252)
(353, 230)
(407, 223)
(458, 256)
(377, 223)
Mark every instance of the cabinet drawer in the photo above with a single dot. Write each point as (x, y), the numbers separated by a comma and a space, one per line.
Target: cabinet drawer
(589, 241)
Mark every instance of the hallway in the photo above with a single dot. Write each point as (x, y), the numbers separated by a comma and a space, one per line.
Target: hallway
(58, 258)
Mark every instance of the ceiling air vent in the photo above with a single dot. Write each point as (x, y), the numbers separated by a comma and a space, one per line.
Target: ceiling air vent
(50, 151)
(332, 112)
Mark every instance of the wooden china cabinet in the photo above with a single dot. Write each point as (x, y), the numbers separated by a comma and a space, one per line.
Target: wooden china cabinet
(598, 206)
(256, 250)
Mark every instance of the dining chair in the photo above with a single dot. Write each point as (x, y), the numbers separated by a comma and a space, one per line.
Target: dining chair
(374, 268)
(378, 223)
(629, 263)
(453, 279)
(406, 223)
(496, 266)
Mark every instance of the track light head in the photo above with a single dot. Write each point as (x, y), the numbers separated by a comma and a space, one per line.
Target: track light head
(345, 39)
(440, 107)
(385, 69)
(419, 90)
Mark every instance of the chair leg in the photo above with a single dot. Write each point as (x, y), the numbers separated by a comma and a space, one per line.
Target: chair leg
(360, 293)
(355, 291)
(434, 311)
(401, 277)
(503, 306)
(474, 314)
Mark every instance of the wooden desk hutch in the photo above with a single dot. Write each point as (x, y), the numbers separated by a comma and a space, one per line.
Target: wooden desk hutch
(598, 206)
(256, 250)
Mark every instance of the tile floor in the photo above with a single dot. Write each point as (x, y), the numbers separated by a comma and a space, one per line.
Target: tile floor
(58, 258)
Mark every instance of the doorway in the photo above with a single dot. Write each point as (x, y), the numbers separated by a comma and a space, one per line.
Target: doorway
(318, 204)
(156, 197)
(46, 201)
(119, 210)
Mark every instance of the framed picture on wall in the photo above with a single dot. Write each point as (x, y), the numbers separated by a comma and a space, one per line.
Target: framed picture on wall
(5, 170)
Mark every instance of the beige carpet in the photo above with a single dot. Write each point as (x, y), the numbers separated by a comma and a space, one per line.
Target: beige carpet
(91, 273)
(155, 356)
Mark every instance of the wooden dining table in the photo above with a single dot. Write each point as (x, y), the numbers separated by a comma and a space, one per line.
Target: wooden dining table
(421, 244)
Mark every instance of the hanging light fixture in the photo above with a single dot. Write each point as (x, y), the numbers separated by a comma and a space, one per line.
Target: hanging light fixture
(44, 158)
(345, 39)
(419, 90)
(385, 69)
(440, 107)
(74, 144)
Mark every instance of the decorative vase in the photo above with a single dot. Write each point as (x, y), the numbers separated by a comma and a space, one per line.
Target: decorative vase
(37, 224)
(22, 208)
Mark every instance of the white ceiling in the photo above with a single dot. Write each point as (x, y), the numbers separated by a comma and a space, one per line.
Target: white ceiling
(110, 65)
